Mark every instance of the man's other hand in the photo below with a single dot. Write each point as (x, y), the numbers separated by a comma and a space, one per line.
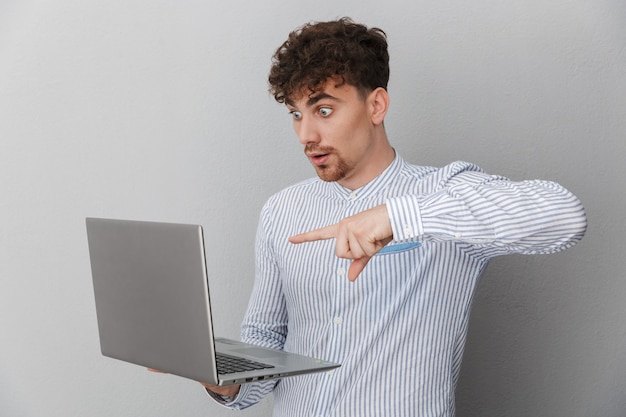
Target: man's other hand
(229, 391)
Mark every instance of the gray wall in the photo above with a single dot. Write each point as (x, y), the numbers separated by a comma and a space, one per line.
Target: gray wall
(158, 110)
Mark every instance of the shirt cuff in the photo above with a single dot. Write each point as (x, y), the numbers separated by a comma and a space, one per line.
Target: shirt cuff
(405, 218)
(222, 399)
(228, 401)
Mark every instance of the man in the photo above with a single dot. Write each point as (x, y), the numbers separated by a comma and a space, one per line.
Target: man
(375, 263)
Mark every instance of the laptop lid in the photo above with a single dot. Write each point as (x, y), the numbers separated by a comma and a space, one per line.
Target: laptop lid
(153, 306)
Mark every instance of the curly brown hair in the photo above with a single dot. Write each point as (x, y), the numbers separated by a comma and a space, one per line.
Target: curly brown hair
(316, 52)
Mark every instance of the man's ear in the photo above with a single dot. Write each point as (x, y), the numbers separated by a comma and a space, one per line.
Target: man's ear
(379, 102)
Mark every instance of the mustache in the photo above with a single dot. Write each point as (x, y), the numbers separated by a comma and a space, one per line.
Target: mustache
(309, 148)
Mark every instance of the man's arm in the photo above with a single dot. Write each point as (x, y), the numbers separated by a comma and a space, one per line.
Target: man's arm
(495, 214)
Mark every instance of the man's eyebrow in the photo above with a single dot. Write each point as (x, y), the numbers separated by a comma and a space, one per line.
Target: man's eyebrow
(312, 100)
(321, 96)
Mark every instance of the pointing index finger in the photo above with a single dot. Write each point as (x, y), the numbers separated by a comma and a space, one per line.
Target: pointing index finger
(324, 233)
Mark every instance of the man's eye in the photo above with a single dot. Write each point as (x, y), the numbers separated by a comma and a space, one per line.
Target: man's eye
(325, 111)
(296, 115)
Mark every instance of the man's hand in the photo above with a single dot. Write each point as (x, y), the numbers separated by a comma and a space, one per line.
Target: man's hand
(359, 237)
(229, 391)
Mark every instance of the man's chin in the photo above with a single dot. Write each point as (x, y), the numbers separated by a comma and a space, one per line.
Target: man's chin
(328, 174)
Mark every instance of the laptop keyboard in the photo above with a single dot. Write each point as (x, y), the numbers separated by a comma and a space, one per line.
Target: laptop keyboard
(230, 364)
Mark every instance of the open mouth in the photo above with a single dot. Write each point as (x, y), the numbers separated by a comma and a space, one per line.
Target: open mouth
(319, 159)
(318, 155)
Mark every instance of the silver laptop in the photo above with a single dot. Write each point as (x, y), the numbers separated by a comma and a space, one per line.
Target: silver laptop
(153, 308)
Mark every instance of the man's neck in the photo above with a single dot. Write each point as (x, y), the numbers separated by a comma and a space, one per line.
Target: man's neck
(371, 168)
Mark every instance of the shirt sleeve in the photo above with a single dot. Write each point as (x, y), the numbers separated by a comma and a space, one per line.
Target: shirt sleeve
(495, 214)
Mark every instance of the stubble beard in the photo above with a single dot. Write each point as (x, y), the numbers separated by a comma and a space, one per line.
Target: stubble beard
(330, 172)
(333, 173)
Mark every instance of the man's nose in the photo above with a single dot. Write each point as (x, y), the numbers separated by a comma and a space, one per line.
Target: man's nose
(306, 131)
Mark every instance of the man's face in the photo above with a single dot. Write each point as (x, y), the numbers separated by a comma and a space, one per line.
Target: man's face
(335, 127)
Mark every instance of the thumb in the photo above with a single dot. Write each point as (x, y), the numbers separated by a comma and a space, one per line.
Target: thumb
(356, 267)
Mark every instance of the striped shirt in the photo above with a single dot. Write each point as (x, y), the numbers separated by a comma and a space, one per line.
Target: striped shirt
(400, 328)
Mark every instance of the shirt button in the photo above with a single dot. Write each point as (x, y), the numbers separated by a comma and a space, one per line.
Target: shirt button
(352, 195)
(408, 231)
(341, 272)
(337, 320)
(458, 235)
